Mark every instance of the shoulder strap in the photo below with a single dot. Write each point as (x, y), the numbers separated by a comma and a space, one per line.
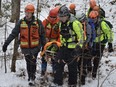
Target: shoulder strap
(47, 22)
(39, 24)
(71, 27)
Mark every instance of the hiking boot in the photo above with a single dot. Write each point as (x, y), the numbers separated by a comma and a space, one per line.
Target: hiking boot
(72, 86)
(82, 83)
(32, 82)
(89, 74)
(42, 73)
(55, 85)
(93, 76)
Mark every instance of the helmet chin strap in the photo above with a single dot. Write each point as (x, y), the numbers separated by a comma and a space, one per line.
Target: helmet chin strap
(29, 19)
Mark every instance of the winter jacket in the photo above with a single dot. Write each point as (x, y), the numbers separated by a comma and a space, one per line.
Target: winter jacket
(51, 29)
(16, 31)
(88, 32)
(29, 37)
(103, 32)
(71, 34)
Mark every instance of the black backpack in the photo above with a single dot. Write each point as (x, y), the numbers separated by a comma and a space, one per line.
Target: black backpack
(102, 13)
(109, 24)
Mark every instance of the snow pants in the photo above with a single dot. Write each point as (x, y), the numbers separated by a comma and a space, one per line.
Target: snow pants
(84, 65)
(65, 56)
(97, 54)
(31, 65)
(44, 65)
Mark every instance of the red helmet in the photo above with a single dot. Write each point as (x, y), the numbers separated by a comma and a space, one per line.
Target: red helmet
(92, 3)
(57, 9)
(96, 8)
(93, 14)
(53, 13)
(72, 6)
(30, 8)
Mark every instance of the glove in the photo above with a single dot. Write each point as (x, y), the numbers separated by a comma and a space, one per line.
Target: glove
(85, 46)
(41, 54)
(110, 48)
(78, 49)
(4, 48)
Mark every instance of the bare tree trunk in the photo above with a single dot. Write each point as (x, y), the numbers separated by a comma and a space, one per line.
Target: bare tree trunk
(0, 7)
(17, 9)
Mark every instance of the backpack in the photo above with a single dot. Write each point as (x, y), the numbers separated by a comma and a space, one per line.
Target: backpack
(65, 30)
(102, 12)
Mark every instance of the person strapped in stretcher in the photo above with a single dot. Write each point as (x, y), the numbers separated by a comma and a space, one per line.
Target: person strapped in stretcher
(49, 52)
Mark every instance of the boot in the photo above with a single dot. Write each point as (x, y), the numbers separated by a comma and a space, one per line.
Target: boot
(55, 85)
(72, 86)
(32, 82)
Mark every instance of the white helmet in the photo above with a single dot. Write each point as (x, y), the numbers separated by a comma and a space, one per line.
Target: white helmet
(80, 16)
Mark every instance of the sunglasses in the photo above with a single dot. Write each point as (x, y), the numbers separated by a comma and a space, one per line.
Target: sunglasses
(52, 17)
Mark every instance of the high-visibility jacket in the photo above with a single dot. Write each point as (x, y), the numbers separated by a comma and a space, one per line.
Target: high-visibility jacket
(104, 32)
(29, 37)
(76, 34)
(51, 29)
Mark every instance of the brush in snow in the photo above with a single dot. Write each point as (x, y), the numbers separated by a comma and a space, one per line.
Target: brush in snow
(42, 82)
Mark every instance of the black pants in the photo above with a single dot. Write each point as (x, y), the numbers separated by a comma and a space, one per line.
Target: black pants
(84, 65)
(31, 65)
(65, 54)
(97, 53)
(44, 65)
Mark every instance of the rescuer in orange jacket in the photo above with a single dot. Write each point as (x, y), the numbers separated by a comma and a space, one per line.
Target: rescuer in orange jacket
(51, 26)
(32, 38)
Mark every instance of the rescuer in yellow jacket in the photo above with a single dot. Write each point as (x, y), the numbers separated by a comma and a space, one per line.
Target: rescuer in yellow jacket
(71, 37)
(103, 35)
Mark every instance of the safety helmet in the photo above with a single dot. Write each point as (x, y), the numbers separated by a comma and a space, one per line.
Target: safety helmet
(93, 14)
(72, 6)
(80, 16)
(96, 8)
(63, 11)
(57, 9)
(92, 3)
(30, 8)
(53, 13)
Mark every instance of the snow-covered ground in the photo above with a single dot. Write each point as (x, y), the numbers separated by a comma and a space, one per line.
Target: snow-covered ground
(19, 78)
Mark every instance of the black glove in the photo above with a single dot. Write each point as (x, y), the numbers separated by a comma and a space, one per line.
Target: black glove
(4, 48)
(110, 48)
(78, 49)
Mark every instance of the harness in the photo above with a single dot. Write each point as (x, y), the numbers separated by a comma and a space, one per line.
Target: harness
(67, 32)
(52, 31)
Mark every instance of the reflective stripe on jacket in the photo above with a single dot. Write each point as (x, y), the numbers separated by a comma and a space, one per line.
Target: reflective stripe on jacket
(29, 37)
(52, 29)
(104, 32)
(74, 39)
